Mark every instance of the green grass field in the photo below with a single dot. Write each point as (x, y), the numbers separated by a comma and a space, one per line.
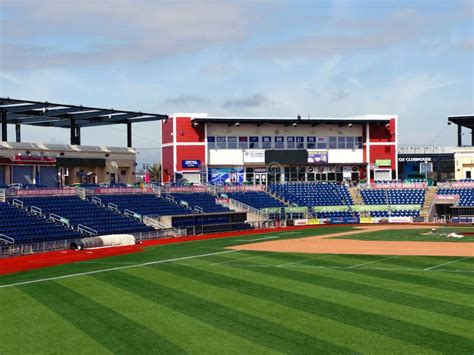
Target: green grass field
(418, 235)
(198, 297)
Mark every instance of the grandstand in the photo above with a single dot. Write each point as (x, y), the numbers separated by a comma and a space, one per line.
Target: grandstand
(466, 195)
(18, 226)
(395, 199)
(256, 199)
(83, 213)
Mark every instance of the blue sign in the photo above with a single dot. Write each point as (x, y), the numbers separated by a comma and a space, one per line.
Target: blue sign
(191, 163)
(279, 139)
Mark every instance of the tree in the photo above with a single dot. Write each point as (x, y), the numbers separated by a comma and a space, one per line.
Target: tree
(155, 172)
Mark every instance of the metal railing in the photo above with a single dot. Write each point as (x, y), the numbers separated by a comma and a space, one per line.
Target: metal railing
(59, 219)
(17, 203)
(96, 200)
(113, 207)
(152, 222)
(132, 214)
(5, 239)
(36, 211)
(87, 230)
(248, 208)
(3, 195)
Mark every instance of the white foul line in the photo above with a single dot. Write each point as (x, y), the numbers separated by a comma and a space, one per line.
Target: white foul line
(449, 262)
(253, 240)
(116, 268)
(303, 260)
(374, 261)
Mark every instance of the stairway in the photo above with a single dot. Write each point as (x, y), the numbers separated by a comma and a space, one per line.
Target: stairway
(356, 196)
(429, 196)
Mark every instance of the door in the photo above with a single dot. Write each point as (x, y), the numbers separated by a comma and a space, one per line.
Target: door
(468, 175)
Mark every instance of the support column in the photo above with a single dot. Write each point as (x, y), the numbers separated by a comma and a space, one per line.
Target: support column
(459, 136)
(472, 137)
(73, 132)
(129, 134)
(18, 132)
(78, 135)
(4, 126)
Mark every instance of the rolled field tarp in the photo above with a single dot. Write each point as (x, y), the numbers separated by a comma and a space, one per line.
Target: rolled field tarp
(104, 241)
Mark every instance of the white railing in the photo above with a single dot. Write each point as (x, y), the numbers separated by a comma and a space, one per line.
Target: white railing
(81, 192)
(152, 222)
(156, 190)
(96, 200)
(3, 195)
(59, 219)
(132, 214)
(248, 208)
(36, 211)
(17, 203)
(198, 209)
(4, 239)
(84, 229)
(169, 198)
(112, 206)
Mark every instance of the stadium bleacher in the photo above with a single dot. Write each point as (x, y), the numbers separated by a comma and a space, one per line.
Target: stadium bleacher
(394, 197)
(145, 204)
(25, 228)
(85, 213)
(466, 195)
(313, 194)
(256, 199)
(204, 200)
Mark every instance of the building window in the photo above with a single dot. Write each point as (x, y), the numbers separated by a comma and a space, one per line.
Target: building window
(211, 142)
(243, 142)
(254, 143)
(341, 142)
(266, 142)
(299, 142)
(279, 142)
(221, 143)
(350, 142)
(290, 142)
(232, 142)
(332, 142)
(322, 142)
(311, 142)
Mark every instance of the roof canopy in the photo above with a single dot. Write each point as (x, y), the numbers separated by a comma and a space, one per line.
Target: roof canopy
(383, 119)
(48, 114)
(466, 121)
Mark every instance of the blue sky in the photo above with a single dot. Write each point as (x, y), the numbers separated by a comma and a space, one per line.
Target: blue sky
(322, 58)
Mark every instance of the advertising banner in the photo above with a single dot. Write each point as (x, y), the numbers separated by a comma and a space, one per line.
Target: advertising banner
(343, 220)
(271, 210)
(237, 188)
(44, 192)
(122, 190)
(314, 221)
(400, 219)
(301, 222)
(367, 220)
(318, 157)
(296, 209)
(400, 185)
(190, 164)
(222, 176)
(448, 198)
(381, 220)
(254, 156)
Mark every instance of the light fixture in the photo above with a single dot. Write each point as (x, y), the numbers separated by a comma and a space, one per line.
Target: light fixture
(195, 124)
(295, 124)
(350, 124)
(387, 125)
(237, 124)
(449, 123)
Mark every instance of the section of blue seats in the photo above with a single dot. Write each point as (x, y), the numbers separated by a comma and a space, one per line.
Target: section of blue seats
(83, 212)
(466, 195)
(27, 228)
(313, 194)
(256, 199)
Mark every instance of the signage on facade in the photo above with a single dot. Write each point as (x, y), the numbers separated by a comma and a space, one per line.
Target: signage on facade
(414, 159)
(254, 156)
(317, 156)
(33, 159)
(191, 164)
(383, 162)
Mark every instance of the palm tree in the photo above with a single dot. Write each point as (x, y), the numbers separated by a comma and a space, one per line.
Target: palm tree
(155, 172)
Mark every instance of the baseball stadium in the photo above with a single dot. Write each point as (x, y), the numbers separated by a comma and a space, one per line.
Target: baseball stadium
(265, 235)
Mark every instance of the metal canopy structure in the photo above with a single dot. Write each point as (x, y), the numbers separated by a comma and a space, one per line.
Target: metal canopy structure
(72, 117)
(295, 120)
(466, 121)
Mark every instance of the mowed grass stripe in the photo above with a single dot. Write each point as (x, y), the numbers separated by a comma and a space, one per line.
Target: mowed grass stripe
(350, 260)
(117, 333)
(28, 327)
(398, 289)
(272, 335)
(187, 332)
(405, 323)
(210, 288)
(399, 302)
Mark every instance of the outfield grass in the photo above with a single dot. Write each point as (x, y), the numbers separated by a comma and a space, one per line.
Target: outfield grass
(216, 301)
(415, 235)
